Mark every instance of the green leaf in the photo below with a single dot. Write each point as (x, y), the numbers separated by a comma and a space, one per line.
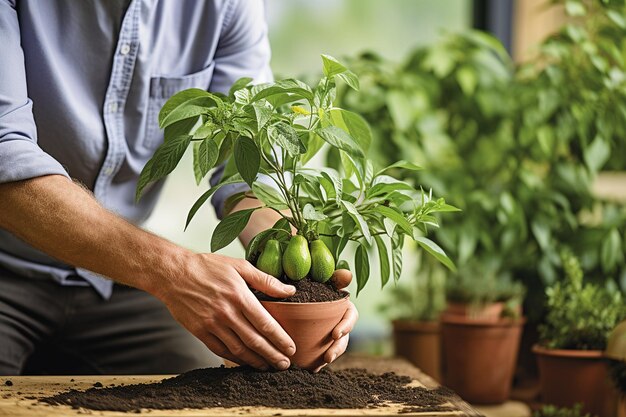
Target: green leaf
(351, 79)
(287, 138)
(229, 228)
(197, 173)
(574, 8)
(597, 153)
(332, 176)
(256, 243)
(294, 88)
(397, 217)
(354, 124)
(205, 196)
(204, 131)
(410, 166)
(313, 145)
(269, 196)
(359, 220)
(263, 114)
(238, 85)
(434, 249)
(310, 213)
(183, 127)
(362, 267)
(611, 251)
(165, 159)
(207, 155)
(396, 252)
(233, 200)
(338, 138)
(186, 104)
(383, 257)
(179, 98)
(332, 67)
(247, 159)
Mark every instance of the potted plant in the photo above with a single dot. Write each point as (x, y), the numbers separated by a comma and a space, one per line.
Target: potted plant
(273, 130)
(481, 336)
(482, 296)
(572, 367)
(616, 353)
(415, 310)
(553, 411)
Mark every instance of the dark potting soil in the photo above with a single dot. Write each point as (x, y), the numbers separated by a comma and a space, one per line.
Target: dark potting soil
(244, 386)
(308, 291)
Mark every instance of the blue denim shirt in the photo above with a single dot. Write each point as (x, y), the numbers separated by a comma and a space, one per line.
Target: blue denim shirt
(81, 85)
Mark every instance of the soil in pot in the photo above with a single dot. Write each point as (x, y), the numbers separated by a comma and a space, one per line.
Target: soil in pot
(480, 357)
(568, 377)
(244, 386)
(309, 317)
(420, 343)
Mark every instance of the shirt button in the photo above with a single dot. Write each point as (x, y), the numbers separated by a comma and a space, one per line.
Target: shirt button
(113, 107)
(125, 49)
(108, 171)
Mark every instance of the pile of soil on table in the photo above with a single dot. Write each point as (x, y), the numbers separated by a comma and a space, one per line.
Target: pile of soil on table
(244, 386)
(307, 291)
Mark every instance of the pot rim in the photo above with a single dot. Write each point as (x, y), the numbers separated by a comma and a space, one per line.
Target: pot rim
(568, 353)
(317, 303)
(466, 321)
(426, 326)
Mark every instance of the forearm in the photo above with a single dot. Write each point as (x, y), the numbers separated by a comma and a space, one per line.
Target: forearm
(260, 220)
(63, 220)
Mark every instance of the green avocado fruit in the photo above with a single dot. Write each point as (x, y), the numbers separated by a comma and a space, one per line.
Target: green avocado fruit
(270, 261)
(297, 258)
(323, 263)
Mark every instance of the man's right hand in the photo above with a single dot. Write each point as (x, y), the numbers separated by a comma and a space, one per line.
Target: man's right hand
(209, 296)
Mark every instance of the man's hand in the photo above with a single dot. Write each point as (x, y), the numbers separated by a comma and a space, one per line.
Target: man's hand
(211, 299)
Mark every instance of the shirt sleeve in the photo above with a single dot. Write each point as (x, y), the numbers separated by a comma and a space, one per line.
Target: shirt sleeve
(20, 156)
(242, 51)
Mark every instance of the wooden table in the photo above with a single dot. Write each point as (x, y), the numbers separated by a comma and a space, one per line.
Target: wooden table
(20, 399)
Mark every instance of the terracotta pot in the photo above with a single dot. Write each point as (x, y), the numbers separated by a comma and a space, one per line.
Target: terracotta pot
(568, 377)
(490, 311)
(420, 343)
(310, 326)
(480, 357)
(621, 408)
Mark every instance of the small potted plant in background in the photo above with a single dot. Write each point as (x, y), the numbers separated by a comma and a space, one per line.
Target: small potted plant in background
(478, 293)
(572, 367)
(480, 350)
(553, 411)
(273, 130)
(416, 308)
(616, 353)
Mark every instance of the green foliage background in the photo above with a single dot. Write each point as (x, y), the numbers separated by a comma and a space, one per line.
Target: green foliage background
(516, 148)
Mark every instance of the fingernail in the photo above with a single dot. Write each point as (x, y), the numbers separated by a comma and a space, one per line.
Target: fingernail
(291, 350)
(282, 365)
(340, 335)
(332, 358)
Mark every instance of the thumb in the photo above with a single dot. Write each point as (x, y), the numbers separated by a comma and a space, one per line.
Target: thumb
(266, 283)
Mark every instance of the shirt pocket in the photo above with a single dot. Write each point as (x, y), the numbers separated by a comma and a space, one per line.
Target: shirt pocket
(161, 89)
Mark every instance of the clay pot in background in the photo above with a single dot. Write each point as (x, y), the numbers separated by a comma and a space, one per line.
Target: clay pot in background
(568, 377)
(420, 343)
(310, 326)
(490, 311)
(480, 356)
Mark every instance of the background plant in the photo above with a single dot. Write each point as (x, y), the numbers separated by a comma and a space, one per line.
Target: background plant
(580, 315)
(516, 148)
(273, 130)
(554, 411)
